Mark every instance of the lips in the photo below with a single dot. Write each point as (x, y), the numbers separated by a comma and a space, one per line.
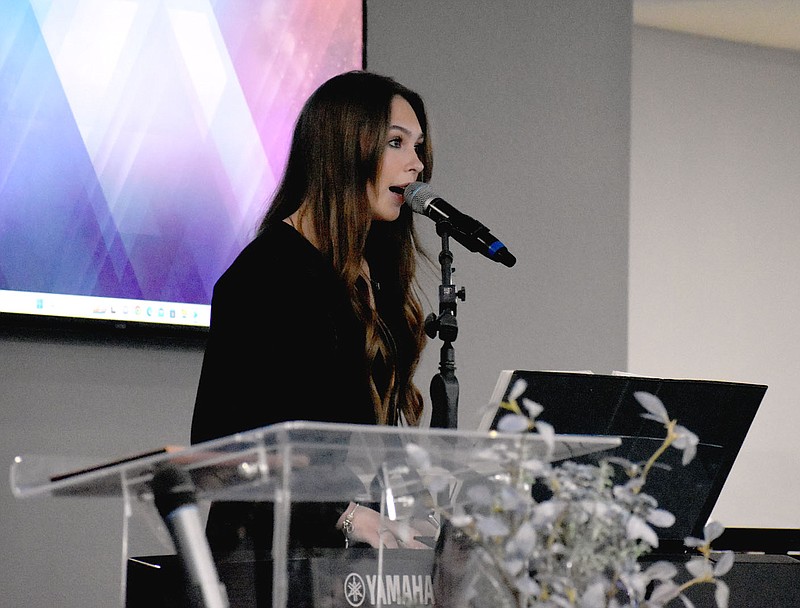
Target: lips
(399, 194)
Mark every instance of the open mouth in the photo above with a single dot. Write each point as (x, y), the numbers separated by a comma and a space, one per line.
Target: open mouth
(397, 190)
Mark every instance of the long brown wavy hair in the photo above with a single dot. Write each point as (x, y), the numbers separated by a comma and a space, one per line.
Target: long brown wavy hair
(337, 148)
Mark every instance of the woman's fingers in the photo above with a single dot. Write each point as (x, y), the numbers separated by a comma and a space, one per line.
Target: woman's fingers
(413, 544)
(387, 538)
(369, 527)
(405, 536)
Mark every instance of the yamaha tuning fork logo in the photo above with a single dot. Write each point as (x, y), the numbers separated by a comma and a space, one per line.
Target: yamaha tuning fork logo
(388, 590)
(354, 590)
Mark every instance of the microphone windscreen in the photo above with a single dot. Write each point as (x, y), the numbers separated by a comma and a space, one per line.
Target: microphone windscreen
(418, 195)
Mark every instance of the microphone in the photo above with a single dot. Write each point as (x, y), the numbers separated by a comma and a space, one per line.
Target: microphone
(174, 496)
(469, 232)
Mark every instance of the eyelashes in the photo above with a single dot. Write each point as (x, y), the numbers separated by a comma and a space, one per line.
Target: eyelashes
(397, 142)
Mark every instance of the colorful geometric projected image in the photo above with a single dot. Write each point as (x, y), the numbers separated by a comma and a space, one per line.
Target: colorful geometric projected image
(140, 142)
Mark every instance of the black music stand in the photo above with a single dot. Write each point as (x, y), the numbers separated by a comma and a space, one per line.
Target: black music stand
(720, 413)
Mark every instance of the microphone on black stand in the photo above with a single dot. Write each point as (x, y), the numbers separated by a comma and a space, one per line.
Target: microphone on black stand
(469, 232)
(174, 495)
(476, 237)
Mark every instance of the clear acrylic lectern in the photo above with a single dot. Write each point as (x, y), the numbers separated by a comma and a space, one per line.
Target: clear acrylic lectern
(412, 477)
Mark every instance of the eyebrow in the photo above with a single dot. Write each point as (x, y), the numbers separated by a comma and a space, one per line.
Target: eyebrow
(404, 130)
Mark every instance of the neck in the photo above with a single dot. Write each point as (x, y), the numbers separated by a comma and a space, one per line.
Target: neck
(300, 223)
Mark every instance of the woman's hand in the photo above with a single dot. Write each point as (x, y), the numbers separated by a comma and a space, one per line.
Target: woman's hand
(367, 526)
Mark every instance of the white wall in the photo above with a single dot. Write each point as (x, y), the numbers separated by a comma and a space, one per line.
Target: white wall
(100, 399)
(714, 247)
(530, 109)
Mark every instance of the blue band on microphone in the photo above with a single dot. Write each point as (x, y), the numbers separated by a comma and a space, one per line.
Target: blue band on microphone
(495, 247)
(413, 190)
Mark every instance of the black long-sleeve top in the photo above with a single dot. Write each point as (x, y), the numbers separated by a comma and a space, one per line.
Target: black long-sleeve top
(284, 344)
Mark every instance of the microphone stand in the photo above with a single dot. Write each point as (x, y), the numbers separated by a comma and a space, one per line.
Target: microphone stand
(444, 385)
(175, 499)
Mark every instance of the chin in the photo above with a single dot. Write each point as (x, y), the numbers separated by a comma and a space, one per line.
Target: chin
(388, 216)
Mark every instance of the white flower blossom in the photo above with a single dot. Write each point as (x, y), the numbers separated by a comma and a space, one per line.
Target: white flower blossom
(524, 540)
(527, 586)
(661, 571)
(548, 434)
(722, 594)
(724, 563)
(663, 593)
(653, 405)
(532, 408)
(462, 520)
(660, 518)
(711, 532)
(686, 441)
(513, 566)
(699, 567)
(594, 596)
(637, 529)
(513, 423)
(687, 603)
(492, 526)
(547, 511)
(517, 389)
(418, 456)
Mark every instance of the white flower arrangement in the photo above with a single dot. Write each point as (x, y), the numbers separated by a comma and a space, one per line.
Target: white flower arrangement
(580, 545)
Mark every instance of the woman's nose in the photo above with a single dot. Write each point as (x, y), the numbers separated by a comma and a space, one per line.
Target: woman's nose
(416, 163)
